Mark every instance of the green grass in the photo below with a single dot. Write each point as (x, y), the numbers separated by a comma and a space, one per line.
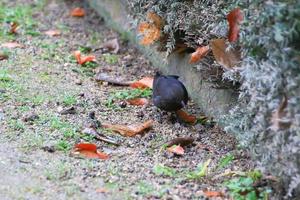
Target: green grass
(22, 15)
(69, 100)
(226, 160)
(110, 58)
(161, 170)
(128, 94)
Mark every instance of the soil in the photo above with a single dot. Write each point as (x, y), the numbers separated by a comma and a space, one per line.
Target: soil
(43, 78)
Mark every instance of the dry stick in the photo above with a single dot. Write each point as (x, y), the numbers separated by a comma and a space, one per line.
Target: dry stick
(113, 81)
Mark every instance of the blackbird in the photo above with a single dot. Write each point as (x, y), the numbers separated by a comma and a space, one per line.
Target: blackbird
(169, 93)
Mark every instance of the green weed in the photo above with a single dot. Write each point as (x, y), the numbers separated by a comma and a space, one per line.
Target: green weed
(110, 58)
(69, 100)
(226, 160)
(63, 145)
(200, 172)
(164, 170)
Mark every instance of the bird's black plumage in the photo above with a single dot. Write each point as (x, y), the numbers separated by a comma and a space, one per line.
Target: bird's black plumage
(169, 93)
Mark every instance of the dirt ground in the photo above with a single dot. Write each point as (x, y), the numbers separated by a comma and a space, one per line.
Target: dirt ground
(42, 78)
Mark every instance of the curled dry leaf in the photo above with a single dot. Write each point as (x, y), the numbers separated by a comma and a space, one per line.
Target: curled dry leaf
(234, 18)
(155, 19)
(90, 151)
(146, 82)
(129, 130)
(138, 101)
(13, 27)
(279, 118)
(176, 149)
(53, 33)
(182, 141)
(77, 12)
(3, 56)
(200, 53)
(210, 194)
(228, 58)
(150, 33)
(12, 45)
(186, 117)
(112, 45)
(83, 59)
(104, 77)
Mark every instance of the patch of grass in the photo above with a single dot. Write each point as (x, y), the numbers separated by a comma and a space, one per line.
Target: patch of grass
(144, 188)
(200, 172)
(110, 58)
(38, 99)
(162, 170)
(69, 100)
(243, 188)
(63, 145)
(22, 15)
(56, 123)
(226, 160)
(16, 125)
(128, 94)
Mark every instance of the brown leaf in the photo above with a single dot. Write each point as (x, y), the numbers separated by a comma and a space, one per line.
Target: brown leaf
(53, 33)
(12, 45)
(176, 149)
(102, 190)
(129, 130)
(13, 27)
(112, 45)
(200, 53)
(138, 101)
(83, 59)
(146, 82)
(210, 194)
(186, 117)
(3, 56)
(90, 151)
(228, 58)
(234, 18)
(111, 79)
(150, 33)
(182, 141)
(77, 12)
(279, 118)
(155, 19)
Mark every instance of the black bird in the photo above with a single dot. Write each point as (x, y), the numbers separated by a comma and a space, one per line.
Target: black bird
(169, 93)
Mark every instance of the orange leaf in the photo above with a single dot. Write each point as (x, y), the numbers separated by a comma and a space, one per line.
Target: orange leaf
(12, 45)
(199, 54)
(213, 194)
(90, 151)
(228, 58)
(176, 149)
(234, 18)
(13, 27)
(102, 190)
(150, 32)
(53, 33)
(77, 12)
(83, 59)
(129, 130)
(155, 19)
(186, 117)
(86, 146)
(146, 82)
(138, 101)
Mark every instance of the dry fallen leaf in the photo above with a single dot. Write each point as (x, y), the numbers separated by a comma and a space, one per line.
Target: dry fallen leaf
(3, 56)
(78, 12)
(13, 27)
(105, 77)
(90, 151)
(150, 33)
(129, 130)
(53, 33)
(279, 118)
(210, 194)
(182, 141)
(146, 82)
(186, 117)
(199, 54)
(112, 45)
(155, 19)
(83, 59)
(12, 45)
(234, 18)
(138, 101)
(102, 190)
(228, 58)
(176, 149)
